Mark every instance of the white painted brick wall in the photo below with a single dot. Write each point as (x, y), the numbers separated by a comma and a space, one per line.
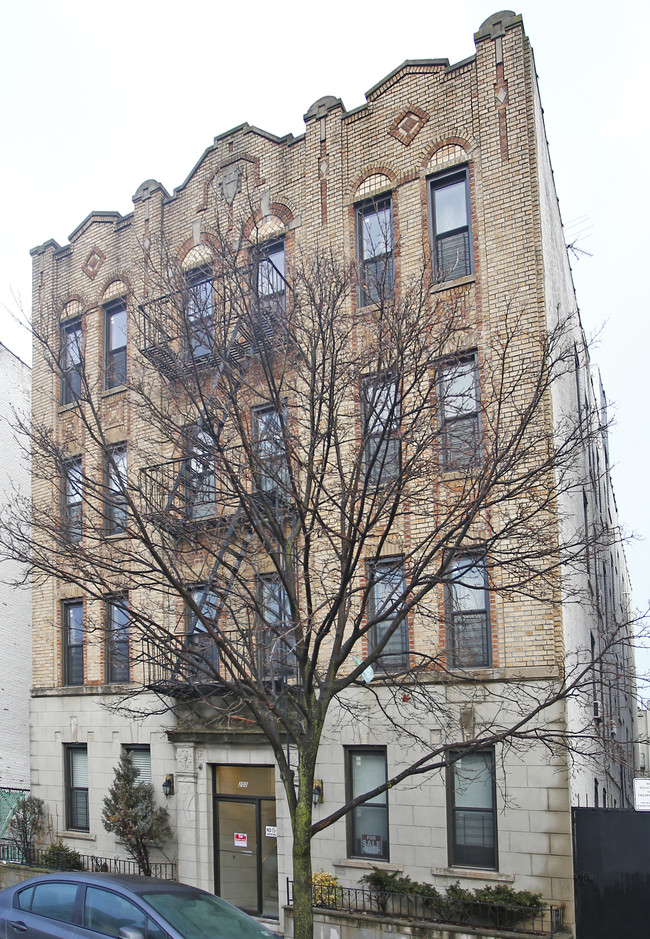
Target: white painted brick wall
(15, 603)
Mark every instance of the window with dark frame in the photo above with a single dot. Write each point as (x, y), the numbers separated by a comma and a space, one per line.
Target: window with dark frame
(73, 642)
(200, 475)
(468, 622)
(387, 586)
(269, 426)
(276, 641)
(77, 787)
(375, 249)
(115, 344)
(72, 499)
(451, 232)
(199, 313)
(367, 823)
(118, 668)
(71, 361)
(197, 636)
(116, 481)
(471, 804)
(381, 430)
(269, 283)
(459, 407)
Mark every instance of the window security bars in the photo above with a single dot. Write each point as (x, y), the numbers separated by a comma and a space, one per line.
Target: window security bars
(541, 921)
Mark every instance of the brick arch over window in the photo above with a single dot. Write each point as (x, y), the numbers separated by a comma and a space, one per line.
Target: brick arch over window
(190, 254)
(115, 287)
(260, 227)
(75, 305)
(372, 180)
(448, 151)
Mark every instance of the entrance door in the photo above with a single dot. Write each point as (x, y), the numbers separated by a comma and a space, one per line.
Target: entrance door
(246, 859)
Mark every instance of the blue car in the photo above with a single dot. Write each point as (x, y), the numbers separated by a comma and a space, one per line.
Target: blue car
(92, 906)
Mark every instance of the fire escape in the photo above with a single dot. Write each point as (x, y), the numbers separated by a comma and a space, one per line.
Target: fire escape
(199, 494)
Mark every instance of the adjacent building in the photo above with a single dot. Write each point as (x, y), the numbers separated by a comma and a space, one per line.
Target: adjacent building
(444, 172)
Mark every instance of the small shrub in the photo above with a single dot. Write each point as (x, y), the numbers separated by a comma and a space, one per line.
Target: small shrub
(62, 858)
(27, 823)
(324, 888)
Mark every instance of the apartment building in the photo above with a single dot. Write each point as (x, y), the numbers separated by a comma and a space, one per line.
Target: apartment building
(330, 401)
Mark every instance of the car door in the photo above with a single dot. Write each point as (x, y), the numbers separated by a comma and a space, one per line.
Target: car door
(44, 911)
(105, 911)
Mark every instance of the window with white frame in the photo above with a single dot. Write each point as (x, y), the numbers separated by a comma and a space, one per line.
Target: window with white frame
(468, 622)
(375, 249)
(451, 231)
(459, 406)
(367, 823)
(472, 823)
(140, 755)
(386, 601)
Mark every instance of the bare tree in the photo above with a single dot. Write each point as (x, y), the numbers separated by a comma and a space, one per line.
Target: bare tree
(313, 487)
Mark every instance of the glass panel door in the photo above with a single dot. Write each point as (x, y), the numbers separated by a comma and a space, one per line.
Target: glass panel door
(237, 853)
(269, 858)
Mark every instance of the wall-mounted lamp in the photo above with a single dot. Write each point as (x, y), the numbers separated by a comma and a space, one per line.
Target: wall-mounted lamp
(168, 785)
(317, 791)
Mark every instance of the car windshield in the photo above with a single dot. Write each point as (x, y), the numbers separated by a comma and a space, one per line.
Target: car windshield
(201, 916)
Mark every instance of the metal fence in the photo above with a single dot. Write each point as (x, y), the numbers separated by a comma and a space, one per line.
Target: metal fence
(42, 857)
(538, 921)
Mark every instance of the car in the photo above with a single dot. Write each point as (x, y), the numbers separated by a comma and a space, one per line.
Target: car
(84, 905)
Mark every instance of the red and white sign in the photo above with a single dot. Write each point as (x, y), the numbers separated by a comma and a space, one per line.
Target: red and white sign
(241, 839)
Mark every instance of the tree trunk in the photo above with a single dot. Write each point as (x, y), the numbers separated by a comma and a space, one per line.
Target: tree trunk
(303, 915)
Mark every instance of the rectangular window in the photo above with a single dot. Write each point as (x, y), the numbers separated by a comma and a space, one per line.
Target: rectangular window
(381, 426)
(199, 312)
(77, 787)
(375, 250)
(451, 225)
(72, 499)
(269, 426)
(388, 584)
(367, 823)
(277, 658)
(205, 662)
(201, 479)
(459, 407)
(117, 641)
(471, 812)
(115, 344)
(71, 363)
(116, 481)
(73, 642)
(469, 637)
(141, 758)
(270, 284)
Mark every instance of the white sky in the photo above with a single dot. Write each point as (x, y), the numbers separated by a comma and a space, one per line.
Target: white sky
(96, 98)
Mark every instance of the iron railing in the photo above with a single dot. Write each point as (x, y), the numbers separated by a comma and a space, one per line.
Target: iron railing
(538, 921)
(10, 853)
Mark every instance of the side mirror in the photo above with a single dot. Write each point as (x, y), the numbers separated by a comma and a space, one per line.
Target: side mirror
(130, 932)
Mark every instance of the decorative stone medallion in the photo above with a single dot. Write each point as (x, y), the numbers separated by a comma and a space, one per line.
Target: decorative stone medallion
(93, 263)
(408, 124)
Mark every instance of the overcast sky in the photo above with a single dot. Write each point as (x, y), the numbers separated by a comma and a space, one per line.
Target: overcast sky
(96, 98)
